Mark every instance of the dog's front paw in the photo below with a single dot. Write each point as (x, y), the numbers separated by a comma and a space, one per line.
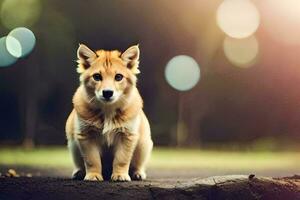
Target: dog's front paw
(120, 177)
(93, 176)
(138, 176)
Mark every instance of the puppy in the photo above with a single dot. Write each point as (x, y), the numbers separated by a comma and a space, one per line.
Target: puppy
(108, 133)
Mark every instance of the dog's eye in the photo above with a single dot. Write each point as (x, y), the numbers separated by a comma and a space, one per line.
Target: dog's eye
(118, 77)
(97, 77)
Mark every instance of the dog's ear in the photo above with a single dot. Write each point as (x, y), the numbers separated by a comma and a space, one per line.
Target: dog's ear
(131, 57)
(85, 57)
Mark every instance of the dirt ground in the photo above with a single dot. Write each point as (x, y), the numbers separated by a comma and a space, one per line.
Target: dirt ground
(153, 173)
(49, 183)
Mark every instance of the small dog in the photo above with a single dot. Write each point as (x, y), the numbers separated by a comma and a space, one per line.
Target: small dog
(108, 133)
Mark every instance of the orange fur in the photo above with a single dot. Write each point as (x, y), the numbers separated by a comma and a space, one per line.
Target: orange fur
(119, 125)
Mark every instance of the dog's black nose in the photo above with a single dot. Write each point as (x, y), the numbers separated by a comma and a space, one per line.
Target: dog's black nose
(107, 94)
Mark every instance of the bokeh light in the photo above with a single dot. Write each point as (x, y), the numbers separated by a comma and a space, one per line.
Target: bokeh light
(241, 52)
(6, 58)
(13, 46)
(182, 72)
(238, 18)
(16, 13)
(26, 39)
(282, 20)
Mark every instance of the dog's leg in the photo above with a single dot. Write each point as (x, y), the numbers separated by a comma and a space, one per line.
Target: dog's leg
(79, 169)
(140, 159)
(91, 156)
(124, 147)
(142, 151)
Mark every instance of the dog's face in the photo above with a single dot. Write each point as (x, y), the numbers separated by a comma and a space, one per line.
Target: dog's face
(108, 76)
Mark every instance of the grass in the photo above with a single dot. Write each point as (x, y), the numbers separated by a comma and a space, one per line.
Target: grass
(165, 158)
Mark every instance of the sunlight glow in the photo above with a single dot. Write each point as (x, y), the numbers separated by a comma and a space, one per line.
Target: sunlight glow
(182, 72)
(17, 44)
(16, 13)
(282, 20)
(13, 46)
(6, 58)
(26, 39)
(238, 18)
(241, 52)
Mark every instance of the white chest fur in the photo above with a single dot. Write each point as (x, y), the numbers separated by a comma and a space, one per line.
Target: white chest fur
(130, 126)
(109, 125)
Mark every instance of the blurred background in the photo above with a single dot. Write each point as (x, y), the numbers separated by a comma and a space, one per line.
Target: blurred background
(245, 95)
